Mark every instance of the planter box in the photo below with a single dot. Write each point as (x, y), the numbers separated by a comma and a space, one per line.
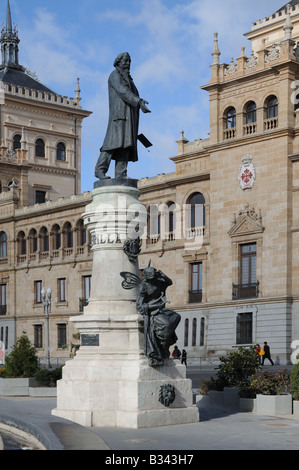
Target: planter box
(202, 401)
(216, 399)
(247, 405)
(274, 404)
(231, 398)
(42, 392)
(296, 407)
(16, 387)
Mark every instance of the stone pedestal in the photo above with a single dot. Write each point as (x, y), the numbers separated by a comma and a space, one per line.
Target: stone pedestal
(109, 382)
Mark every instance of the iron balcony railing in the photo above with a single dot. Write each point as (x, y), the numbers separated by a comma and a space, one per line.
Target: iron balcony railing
(195, 296)
(3, 309)
(246, 291)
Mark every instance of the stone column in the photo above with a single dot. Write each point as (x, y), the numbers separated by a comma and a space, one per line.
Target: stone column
(109, 382)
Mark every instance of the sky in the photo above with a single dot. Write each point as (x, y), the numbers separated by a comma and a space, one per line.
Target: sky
(170, 43)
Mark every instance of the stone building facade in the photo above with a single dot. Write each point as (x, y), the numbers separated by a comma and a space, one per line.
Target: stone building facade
(43, 242)
(225, 224)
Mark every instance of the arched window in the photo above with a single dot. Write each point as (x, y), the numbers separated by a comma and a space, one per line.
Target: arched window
(33, 240)
(194, 331)
(202, 332)
(155, 222)
(60, 153)
(231, 118)
(81, 233)
(39, 148)
(56, 237)
(21, 243)
(196, 205)
(186, 332)
(250, 111)
(271, 107)
(3, 245)
(171, 217)
(44, 238)
(68, 235)
(17, 141)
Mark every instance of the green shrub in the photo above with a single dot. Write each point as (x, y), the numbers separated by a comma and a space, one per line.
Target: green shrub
(237, 367)
(43, 377)
(48, 377)
(271, 384)
(294, 382)
(2, 373)
(247, 392)
(210, 384)
(23, 360)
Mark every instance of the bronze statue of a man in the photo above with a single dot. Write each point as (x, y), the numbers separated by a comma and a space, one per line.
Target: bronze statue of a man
(120, 143)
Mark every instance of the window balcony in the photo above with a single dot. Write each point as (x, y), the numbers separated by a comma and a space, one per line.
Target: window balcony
(195, 296)
(245, 291)
(3, 309)
(249, 129)
(271, 123)
(229, 133)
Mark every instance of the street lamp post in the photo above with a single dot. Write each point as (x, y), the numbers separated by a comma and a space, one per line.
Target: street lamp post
(47, 310)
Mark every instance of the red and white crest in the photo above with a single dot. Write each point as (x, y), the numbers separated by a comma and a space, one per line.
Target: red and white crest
(247, 173)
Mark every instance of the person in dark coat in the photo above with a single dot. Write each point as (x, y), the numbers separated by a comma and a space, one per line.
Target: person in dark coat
(184, 357)
(176, 353)
(267, 354)
(120, 143)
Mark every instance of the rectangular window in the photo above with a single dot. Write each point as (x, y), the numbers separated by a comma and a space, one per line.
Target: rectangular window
(61, 335)
(86, 289)
(195, 293)
(248, 264)
(86, 281)
(38, 292)
(3, 304)
(244, 328)
(40, 197)
(38, 336)
(248, 286)
(62, 290)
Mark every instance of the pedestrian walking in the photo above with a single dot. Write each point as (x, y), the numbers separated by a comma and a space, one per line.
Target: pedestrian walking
(267, 354)
(176, 354)
(184, 357)
(259, 353)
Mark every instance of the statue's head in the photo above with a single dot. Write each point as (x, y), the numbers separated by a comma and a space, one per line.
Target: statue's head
(148, 273)
(122, 59)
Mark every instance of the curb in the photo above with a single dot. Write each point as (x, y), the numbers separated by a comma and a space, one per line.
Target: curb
(24, 430)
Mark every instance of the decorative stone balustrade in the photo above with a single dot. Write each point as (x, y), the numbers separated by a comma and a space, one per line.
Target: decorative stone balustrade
(42, 96)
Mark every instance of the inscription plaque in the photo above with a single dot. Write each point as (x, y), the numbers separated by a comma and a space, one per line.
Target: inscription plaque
(90, 340)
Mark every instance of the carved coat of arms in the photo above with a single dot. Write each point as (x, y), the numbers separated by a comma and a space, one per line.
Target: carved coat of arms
(247, 173)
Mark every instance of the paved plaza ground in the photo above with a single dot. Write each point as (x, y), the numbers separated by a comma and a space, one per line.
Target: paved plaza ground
(216, 430)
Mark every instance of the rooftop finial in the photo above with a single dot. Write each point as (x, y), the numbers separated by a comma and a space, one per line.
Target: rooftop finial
(9, 42)
(216, 52)
(77, 91)
(8, 19)
(288, 27)
(77, 99)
